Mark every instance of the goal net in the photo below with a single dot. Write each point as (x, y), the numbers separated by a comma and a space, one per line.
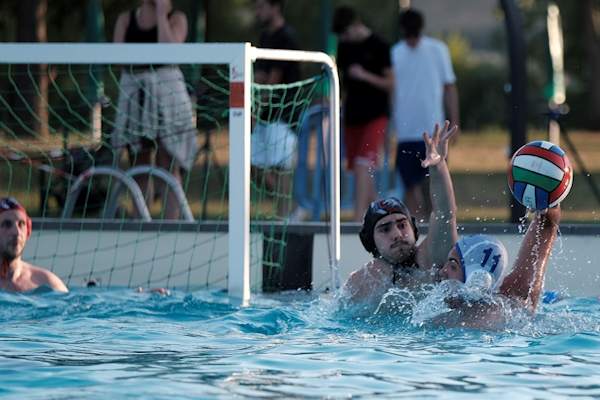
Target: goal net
(158, 165)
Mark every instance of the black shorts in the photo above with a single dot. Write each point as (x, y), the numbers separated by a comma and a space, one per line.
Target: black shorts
(408, 163)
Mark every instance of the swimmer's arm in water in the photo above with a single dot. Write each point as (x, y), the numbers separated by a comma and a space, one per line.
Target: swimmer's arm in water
(460, 303)
(161, 291)
(442, 232)
(158, 290)
(470, 314)
(526, 280)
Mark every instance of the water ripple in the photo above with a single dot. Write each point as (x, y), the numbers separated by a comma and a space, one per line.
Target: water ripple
(122, 344)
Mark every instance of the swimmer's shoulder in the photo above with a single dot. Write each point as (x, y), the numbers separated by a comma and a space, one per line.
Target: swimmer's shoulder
(43, 277)
(369, 280)
(372, 269)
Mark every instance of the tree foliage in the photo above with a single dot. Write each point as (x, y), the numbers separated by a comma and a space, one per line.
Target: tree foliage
(233, 21)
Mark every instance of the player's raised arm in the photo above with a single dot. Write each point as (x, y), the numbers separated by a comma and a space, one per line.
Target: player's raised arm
(525, 282)
(442, 221)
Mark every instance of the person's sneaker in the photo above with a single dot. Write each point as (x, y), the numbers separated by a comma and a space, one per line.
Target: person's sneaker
(299, 214)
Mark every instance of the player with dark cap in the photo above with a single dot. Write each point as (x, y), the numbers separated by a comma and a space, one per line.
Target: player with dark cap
(390, 233)
(17, 275)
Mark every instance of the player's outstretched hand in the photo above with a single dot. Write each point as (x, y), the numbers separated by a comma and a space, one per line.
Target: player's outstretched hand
(437, 144)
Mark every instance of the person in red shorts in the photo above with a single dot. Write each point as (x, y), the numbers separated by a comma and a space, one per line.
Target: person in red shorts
(363, 59)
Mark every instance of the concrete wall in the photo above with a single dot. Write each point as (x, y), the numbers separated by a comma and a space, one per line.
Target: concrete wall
(188, 256)
(574, 266)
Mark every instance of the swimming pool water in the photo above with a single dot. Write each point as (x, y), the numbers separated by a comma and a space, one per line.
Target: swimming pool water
(117, 344)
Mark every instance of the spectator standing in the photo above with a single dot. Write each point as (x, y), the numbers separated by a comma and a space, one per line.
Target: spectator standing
(273, 140)
(364, 62)
(425, 94)
(275, 34)
(155, 118)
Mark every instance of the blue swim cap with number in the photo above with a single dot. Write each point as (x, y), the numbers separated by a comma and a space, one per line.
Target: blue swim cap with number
(482, 253)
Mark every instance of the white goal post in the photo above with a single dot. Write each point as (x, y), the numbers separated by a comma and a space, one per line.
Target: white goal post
(240, 58)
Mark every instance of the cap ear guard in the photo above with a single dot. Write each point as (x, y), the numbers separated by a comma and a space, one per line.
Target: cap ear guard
(415, 229)
(366, 238)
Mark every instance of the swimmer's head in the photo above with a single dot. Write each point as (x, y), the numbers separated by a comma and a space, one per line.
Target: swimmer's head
(376, 211)
(476, 253)
(91, 283)
(11, 204)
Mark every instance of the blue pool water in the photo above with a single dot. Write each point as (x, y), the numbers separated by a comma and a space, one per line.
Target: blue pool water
(117, 344)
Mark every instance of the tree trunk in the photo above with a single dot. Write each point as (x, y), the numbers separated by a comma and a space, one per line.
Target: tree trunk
(41, 104)
(30, 104)
(591, 13)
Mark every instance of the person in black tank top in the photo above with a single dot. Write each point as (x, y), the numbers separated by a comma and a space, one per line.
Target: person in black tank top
(154, 21)
(155, 118)
(135, 34)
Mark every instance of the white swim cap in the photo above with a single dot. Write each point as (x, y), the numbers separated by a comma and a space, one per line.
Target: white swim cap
(482, 253)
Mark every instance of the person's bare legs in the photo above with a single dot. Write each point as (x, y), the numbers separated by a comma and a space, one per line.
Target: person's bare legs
(278, 182)
(283, 186)
(364, 188)
(143, 157)
(171, 205)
